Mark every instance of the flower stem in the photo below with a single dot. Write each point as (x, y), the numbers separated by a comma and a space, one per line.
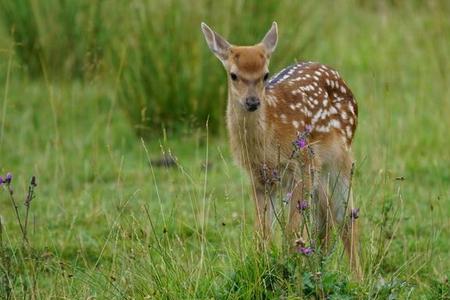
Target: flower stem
(13, 202)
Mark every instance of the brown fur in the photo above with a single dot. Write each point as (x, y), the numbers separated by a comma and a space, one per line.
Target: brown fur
(249, 60)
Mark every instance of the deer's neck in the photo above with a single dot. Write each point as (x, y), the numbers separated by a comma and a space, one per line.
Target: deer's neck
(249, 134)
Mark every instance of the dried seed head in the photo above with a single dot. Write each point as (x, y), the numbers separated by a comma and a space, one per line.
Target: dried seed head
(300, 242)
(33, 181)
(354, 214)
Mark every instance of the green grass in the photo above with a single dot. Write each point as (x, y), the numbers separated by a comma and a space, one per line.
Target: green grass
(108, 224)
(60, 40)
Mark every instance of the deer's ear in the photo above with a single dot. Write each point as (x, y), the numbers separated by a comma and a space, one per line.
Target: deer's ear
(218, 45)
(270, 39)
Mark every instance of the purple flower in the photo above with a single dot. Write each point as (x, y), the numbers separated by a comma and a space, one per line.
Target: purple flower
(302, 205)
(8, 178)
(308, 128)
(354, 214)
(300, 142)
(1, 180)
(305, 250)
(275, 176)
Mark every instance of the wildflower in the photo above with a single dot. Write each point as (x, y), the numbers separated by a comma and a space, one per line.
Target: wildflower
(308, 128)
(1, 180)
(305, 250)
(354, 214)
(8, 178)
(302, 205)
(300, 142)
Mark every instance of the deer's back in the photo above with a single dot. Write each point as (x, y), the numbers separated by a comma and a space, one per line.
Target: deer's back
(310, 95)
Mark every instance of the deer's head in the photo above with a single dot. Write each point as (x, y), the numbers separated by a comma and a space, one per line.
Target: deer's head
(247, 67)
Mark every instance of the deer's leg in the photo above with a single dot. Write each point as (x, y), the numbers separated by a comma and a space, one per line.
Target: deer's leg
(343, 204)
(336, 201)
(303, 187)
(263, 214)
(350, 237)
(324, 213)
(294, 220)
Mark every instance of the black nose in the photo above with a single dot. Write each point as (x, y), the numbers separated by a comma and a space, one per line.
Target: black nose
(252, 103)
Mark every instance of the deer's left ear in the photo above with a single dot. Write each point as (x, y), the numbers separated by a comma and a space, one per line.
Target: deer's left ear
(270, 39)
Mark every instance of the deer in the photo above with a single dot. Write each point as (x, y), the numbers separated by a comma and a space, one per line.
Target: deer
(265, 115)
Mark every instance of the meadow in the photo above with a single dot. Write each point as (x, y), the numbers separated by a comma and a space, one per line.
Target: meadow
(93, 96)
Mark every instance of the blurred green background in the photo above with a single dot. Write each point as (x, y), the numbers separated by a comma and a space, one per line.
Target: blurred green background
(82, 81)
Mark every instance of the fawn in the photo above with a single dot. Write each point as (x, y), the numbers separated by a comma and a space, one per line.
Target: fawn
(265, 115)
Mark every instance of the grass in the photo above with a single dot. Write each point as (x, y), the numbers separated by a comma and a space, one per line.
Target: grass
(62, 40)
(106, 223)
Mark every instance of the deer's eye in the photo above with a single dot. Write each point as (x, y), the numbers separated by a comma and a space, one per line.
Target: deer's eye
(233, 76)
(266, 76)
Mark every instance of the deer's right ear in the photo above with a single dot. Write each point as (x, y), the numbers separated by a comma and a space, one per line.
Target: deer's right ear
(270, 40)
(218, 45)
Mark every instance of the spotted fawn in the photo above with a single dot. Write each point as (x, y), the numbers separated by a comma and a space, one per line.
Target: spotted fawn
(265, 115)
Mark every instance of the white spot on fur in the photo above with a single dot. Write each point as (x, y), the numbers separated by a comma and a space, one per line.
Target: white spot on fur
(350, 106)
(271, 100)
(348, 129)
(323, 129)
(306, 112)
(295, 123)
(335, 123)
(316, 117)
(333, 110)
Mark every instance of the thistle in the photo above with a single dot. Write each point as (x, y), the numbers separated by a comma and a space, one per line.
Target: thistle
(307, 251)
